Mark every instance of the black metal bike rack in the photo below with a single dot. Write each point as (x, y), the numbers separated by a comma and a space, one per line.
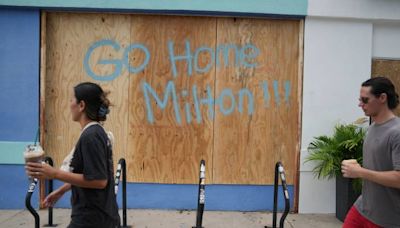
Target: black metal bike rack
(28, 204)
(122, 168)
(201, 195)
(49, 188)
(280, 172)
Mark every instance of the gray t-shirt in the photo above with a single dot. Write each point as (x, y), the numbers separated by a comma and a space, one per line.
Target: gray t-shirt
(381, 152)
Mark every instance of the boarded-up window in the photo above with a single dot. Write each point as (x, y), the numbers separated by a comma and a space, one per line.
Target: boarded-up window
(389, 69)
(184, 88)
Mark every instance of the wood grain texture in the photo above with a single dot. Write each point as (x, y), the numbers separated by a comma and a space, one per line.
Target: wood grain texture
(166, 151)
(389, 69)
(68, 38)
(238, 148)
(296, 172)
(42, 193)
(247, 146)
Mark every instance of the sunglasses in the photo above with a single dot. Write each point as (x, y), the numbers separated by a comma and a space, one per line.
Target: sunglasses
(363, 100)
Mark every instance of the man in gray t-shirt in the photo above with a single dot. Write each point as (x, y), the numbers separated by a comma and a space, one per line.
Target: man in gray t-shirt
(379, 203)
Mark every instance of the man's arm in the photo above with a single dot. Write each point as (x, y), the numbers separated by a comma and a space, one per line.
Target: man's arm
(385, 178)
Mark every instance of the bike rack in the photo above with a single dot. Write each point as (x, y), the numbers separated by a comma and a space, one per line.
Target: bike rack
(49, 186)
(28, 204)
(201, 195)
(122, 168)
(280, 172)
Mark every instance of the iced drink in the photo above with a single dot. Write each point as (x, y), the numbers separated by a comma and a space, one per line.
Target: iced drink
(33, 153)
(350, 161)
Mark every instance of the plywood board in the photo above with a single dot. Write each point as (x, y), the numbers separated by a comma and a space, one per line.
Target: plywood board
(183, 89)
(247, 145)
(167, 150)
(68, 38)
(389, 69)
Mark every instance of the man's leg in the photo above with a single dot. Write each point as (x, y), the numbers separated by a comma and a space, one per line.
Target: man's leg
(355, 220)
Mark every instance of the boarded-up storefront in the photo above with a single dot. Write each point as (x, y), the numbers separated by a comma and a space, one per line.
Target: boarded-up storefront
(389, 68)
(227, 90)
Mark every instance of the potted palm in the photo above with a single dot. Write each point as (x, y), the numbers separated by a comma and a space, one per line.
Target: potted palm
(328, 152)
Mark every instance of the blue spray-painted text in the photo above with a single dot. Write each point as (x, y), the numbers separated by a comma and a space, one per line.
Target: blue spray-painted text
(226, 102)
(244, 56)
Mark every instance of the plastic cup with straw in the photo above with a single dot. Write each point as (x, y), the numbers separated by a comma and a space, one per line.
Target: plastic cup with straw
(34, 153)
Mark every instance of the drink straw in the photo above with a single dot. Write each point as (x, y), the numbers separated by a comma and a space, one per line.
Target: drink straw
(37, 136)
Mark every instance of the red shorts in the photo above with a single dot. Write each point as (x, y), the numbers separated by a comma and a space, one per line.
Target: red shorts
(355, 220)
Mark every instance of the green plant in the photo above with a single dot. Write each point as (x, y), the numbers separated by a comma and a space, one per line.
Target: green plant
(328, 152)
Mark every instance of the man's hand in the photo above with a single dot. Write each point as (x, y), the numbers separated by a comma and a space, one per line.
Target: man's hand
(351, 169)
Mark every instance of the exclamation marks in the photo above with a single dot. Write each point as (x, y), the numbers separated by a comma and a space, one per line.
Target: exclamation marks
(276, 92)
(287, 91)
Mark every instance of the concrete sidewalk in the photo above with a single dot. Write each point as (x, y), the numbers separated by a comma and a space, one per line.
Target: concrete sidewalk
(179, 219)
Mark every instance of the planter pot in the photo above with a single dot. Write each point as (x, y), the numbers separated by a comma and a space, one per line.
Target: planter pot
(345, 197)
